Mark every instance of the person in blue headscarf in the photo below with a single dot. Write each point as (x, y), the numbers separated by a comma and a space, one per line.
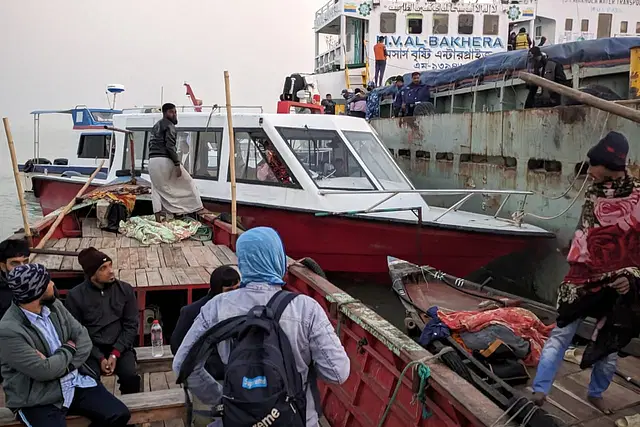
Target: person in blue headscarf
(263, 264)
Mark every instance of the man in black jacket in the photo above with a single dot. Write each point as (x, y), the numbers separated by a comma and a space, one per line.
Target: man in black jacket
(542, 66)
(108, 309)
(223, 279)
(173, 191)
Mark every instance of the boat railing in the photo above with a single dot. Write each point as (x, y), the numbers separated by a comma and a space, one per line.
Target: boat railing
(327, 13)
(215, 108)
(466, 193)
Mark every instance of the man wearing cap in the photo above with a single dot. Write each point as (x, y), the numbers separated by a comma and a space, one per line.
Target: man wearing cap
(107, 307)
(43, 354)
(603, 281)
(540, 65)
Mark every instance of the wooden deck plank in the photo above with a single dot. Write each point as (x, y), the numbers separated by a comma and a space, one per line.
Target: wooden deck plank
(212, 259)
(168, 276)
(67, 263)
(158, 381)
(190, 257)
(194, 277)
(50, 262)
(125, 242)
(85, 242)
(178, 258)
(142, 257)
(154, 278)
(204, 275)
(141, 278)
(224, 260)
(153, 259)
(133, 258)
(229, 253)
(167, 255)
(171, 379)
(181, 276)
(123, 257)
(108, 242)
(90, 227)
(97, 242)
(618, 395)
(135, 243)
(127, 275)
(146, 381)
(73, 244)
(60, 244)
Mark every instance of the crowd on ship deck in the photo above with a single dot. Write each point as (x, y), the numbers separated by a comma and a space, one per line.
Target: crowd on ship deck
(55, 353)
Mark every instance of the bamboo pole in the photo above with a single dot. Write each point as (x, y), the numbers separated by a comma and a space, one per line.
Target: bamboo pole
(232, 154)
(585, 98)
(16, 176)
(67, 208)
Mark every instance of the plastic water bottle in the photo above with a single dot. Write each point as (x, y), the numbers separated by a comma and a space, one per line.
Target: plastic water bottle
(157, 349)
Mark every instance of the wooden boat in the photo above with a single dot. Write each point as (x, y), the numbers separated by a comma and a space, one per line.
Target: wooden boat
(377, 392)
(421, 287)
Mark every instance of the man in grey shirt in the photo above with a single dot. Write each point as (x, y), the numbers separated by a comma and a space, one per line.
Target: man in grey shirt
(263, 264)
(172, 188)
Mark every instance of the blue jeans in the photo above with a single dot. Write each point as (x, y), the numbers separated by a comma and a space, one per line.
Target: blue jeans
(551, 359)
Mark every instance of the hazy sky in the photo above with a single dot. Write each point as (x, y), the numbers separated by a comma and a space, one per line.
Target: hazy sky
(57, 54)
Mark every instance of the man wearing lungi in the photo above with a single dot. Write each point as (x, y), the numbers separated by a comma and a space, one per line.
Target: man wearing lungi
(173, 190)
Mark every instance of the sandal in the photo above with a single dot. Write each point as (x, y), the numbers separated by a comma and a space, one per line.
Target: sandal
(629, 421)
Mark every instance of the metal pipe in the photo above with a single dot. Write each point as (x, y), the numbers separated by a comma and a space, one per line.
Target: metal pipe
(427, 192)
(504, 202)
(454, 207)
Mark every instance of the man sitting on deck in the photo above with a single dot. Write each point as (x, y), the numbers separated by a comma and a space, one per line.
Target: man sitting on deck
(173, 190)
(43, 353)
(604, 274)
(223, 279)
(108, 309)
(263, 265)
(13, 252)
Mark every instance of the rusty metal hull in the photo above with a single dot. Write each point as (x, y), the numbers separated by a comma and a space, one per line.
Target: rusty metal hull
(540, 150)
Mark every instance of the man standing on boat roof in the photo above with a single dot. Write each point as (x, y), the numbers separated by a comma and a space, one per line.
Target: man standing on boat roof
(381, 55)
(542, 66)
(173, 190)
(603, 281)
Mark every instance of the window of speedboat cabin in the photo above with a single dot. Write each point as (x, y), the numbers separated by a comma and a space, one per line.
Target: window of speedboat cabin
(94, 145)
(258, 161)
(326, 158)
(198, 149)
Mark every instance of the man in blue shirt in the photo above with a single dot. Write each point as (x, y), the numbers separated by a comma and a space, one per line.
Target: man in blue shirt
(397, 100)
(43, 355)
(415, 93)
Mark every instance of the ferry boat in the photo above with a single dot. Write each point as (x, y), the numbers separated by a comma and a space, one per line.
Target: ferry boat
(428, 35)
(342, 199)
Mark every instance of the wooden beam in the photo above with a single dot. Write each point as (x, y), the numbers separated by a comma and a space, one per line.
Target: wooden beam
(584, 98)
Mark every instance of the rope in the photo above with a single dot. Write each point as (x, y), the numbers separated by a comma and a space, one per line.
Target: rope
(424, 372)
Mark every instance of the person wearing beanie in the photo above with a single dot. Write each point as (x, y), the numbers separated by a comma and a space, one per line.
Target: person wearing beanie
(603, 281)
(43, 358)
(540, 65)
(107, 307)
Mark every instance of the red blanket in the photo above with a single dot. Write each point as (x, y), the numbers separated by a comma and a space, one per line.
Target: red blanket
(522, 322)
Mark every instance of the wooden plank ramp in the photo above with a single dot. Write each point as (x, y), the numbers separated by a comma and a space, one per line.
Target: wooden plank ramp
(189, 262)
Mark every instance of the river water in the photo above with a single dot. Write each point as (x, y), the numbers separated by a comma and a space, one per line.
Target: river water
(10, 216)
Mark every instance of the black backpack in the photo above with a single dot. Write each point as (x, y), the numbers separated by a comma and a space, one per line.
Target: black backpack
(262, 385)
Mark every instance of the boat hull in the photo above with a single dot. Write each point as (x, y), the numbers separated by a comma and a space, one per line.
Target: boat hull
(348, 245)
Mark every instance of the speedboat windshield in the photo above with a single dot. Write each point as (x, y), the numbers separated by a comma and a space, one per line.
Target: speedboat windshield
(327, 158)
(377, 160)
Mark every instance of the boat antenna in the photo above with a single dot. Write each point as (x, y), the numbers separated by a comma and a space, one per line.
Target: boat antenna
(114, 89)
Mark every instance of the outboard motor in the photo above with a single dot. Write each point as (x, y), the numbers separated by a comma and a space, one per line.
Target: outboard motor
(292, 85)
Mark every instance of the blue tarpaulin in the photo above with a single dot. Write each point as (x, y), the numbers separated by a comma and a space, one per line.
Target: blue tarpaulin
(566, 53)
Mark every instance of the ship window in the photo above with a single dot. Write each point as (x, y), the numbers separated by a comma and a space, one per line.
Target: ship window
(568, 24)
(538, 31)
(414, 23)
(140, 149)
(440, 23)
(258, 160)
(94, 146)
(387, 22)
(490, 25)
(185, 146)
(465, 24)
(326, 158)
(584, 25)
(624, 27)
(207, 159)
(637, 27)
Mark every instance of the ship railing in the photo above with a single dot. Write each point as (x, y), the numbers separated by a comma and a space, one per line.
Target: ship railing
(328, 60)
(327, 13)
(466, 193)
(192, 108)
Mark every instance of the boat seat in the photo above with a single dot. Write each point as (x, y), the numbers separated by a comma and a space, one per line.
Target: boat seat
(151, 406)
(69, 174)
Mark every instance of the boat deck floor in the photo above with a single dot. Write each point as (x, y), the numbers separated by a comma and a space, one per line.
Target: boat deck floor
(570, 387)
(184, 263)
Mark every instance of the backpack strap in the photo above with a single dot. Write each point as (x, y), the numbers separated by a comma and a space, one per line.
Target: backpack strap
(279, 302)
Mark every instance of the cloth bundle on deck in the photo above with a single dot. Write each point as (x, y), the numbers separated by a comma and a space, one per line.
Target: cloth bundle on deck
(149, 232)
(128, 200)
(520, 321)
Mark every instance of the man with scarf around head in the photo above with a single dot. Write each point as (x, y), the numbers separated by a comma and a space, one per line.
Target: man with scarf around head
(263, 265)
(107, 307)
(13, 252)
(43, 354)
(603, 281)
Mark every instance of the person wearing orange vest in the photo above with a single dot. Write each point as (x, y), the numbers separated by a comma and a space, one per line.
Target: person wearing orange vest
(522, 40)
(380, 53)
